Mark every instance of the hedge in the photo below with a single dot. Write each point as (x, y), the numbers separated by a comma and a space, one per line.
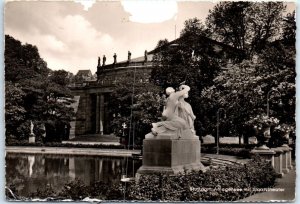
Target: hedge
(230, 184)
(228, 149)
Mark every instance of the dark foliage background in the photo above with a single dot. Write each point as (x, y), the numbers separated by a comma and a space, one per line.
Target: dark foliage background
(34, 93)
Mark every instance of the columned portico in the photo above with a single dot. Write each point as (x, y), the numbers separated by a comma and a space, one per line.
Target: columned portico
(92, 115)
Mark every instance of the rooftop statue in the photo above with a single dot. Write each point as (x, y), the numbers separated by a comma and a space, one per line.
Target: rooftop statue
(129, 56)
(146, 56)
(115, 58)
(99, 62)
(103, 60)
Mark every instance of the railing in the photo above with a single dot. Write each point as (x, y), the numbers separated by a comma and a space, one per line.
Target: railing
(127, 64)
(111, 82)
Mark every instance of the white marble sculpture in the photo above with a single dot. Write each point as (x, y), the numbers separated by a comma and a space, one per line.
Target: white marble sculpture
(178, 116)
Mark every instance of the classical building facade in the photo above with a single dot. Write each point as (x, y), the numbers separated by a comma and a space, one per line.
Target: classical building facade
(93, 115)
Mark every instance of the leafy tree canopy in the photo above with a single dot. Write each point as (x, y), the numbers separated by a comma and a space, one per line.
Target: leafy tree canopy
(242, 89)
(33, 92)
(246, 25)
(289, 29)
(135, 102)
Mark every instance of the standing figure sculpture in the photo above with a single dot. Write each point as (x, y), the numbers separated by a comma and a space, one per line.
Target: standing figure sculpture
(185, 111)
(172, 120)
(31, 128)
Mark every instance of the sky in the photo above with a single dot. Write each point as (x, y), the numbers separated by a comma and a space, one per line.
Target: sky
(70, 35)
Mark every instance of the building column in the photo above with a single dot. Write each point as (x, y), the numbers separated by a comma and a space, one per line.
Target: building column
(101, 113)
(75, 105)
(97, 113)
(89, 111)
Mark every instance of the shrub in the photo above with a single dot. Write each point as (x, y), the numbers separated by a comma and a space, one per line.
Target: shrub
(230, 184)
(228, 149)
(10, 192)
(104, 191)
(75, 190)
(260, 173)
(143, 190)
(44, 193)
(115, 192)
(99, 190)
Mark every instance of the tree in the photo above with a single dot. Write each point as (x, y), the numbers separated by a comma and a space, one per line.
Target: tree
(265, 22)
(60, 77)
(242, 89)
(33, 92)
(15, 111)
(191, 59)
(22, 61)
(246, 25)
(137, 103)
(289, 29)
(227, 23)
(195, 27)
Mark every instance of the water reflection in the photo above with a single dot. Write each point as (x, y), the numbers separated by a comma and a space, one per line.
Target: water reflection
(31, 160)
(31, 172)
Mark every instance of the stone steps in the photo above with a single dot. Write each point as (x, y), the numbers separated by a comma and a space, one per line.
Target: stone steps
(96, 138)
(219, 162)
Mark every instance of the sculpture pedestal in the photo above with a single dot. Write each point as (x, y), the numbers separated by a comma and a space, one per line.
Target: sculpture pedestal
(266, 154)
(285, 158)
(290, 158)
(31, 138)
(278, 161)
(170, 156)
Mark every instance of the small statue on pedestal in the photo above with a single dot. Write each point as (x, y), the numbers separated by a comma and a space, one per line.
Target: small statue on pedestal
(31, 129)
(32, 135)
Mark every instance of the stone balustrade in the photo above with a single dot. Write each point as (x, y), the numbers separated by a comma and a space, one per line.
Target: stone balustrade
(278, 161)
(279, 157)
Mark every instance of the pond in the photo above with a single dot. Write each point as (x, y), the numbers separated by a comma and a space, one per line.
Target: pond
(29, 172)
